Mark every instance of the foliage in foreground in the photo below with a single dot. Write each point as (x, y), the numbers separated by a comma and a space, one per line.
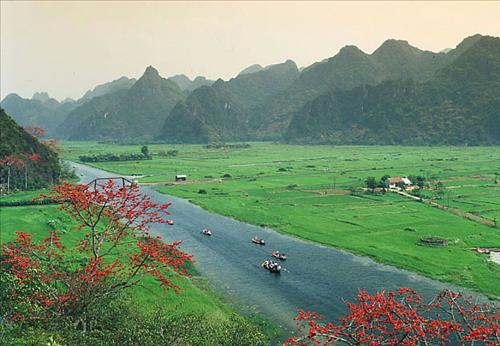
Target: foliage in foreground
(121, 322)
(49, 284)
(52, 293)
(403, 318)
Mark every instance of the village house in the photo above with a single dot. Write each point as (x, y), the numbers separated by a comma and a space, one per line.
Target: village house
(396, 182)
(180, 177)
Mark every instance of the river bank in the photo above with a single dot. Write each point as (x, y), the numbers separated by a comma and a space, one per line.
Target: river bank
(315, 277)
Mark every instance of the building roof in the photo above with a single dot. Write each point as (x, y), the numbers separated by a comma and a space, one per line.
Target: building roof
(397, 180)
(406, 181)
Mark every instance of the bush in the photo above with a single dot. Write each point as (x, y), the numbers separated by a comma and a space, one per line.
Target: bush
(433, 241)
(120, 322)
(202, 191)
(227, 175)
(115, 157)
(43, 201)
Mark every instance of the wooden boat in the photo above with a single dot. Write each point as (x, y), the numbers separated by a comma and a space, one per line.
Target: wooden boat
(279, 255)
(206, 232)
(258, 241)
(272, 266)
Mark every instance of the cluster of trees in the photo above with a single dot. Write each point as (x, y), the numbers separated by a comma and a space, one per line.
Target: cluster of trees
(372, 183)
(25, 162)
(143, 155)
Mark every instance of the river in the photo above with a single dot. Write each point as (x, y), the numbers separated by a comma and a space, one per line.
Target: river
(315, 277)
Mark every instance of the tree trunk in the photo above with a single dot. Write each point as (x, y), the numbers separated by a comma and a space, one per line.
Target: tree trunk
(8, 180)
(26, 176)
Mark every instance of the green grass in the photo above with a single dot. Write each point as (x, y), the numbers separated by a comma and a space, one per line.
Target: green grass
(24, 195)
(305, 191)
(196, 295)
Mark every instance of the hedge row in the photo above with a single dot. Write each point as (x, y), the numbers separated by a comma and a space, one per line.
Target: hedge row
(43, 201)
(114, 157)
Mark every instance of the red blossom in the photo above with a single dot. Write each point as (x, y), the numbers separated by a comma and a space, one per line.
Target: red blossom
(112, 218)
(35, 131)
(402, 318)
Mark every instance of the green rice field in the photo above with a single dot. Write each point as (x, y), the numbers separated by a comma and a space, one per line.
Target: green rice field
(313, 192)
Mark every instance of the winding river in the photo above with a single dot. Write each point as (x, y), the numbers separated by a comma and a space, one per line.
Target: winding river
(315, 277)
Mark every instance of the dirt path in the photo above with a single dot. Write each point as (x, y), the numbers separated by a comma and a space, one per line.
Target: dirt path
(188, 182)
(455, 211)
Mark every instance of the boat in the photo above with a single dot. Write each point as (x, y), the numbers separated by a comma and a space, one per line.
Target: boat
(272, 266)
(170, 222)
(206, 232)
(258, 241)
(279, 255)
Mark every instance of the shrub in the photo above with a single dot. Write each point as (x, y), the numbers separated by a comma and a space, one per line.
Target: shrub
(114, 157)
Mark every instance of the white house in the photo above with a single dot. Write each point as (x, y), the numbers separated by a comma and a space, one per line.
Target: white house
(395, 182)
(180, 177)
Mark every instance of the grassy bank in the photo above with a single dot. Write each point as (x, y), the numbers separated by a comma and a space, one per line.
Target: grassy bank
(196, 297)
(306, 191)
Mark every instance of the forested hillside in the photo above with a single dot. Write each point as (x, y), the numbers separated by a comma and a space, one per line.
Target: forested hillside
(221, 112)
(25, 163)
(459, 105)
(398, 94)
(137, 112)
(42, 112)
(350, 68)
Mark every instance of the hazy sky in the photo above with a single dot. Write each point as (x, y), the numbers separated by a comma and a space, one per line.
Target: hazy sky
(65, 48)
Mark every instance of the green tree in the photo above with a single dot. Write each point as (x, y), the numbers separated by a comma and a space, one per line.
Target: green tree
(371, 183)
(145, 150)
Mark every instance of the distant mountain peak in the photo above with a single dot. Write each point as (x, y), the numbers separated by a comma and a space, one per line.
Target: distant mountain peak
(200, 78)
(349, 50)
(251, 69)
(40, 96)
(181, 80)
(393, 45)
(151, 72)
(12, 96)
(102, 89)
(68, 100)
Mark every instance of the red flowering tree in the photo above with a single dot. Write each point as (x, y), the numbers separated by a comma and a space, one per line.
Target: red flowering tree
(35, 131)
(402, 318)
(53, 144)
(51, 283)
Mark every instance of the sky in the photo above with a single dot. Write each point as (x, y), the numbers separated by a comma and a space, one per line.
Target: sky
(68, 47)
